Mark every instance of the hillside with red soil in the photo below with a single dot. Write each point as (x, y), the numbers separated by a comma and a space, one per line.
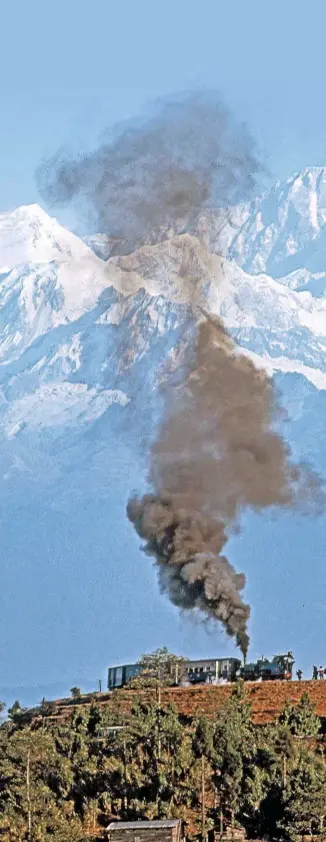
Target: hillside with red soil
(267, 699)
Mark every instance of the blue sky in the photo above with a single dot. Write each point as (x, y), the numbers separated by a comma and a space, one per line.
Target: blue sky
(69, 69)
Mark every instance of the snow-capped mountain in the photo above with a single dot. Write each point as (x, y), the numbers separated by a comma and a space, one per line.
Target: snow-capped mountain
(85, 334)
(284, 233)
(48, 277)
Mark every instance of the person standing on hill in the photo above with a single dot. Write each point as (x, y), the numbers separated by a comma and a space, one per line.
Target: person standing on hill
(321, 672)
(314, 672)
(299, 675)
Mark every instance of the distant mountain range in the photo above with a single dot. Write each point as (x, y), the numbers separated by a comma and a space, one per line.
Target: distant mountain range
(84, 333)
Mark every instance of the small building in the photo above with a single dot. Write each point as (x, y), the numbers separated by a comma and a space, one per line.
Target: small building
(159, 830)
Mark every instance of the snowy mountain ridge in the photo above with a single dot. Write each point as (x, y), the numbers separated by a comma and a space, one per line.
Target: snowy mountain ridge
(51, 279)
(84, 342)
(284, 231)
(61, 304)
(81, 335)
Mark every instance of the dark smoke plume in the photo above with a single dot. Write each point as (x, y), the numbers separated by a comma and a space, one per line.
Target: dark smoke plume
(157, 175)
(216, 452)
(215, 455)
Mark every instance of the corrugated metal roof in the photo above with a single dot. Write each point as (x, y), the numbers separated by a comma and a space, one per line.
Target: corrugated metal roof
(143, 824)
(209, 660)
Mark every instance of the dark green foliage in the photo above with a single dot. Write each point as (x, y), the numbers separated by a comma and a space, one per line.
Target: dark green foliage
(65, 781)
(94, 720)
(75, 692)
(301, 719)
(304, 798)
(15, 711)
(235, 742)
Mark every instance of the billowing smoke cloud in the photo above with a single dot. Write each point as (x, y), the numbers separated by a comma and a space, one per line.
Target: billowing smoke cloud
(158, 174)
(216, 452)
(215, 455)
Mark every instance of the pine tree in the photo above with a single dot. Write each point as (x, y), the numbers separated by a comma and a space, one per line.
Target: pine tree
(62, 780)
(95, 720)
(75, 692)
(235, 748)
(305, 797)
(28, 802)
(301, 719)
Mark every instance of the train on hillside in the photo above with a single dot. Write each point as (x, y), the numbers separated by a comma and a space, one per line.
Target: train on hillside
(212, 671)
(280, 667)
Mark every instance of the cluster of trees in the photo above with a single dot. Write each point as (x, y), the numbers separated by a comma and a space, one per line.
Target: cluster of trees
(64, 781)
(159, 668)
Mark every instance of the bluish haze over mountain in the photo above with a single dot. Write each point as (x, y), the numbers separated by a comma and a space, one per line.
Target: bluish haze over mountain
(84, 337)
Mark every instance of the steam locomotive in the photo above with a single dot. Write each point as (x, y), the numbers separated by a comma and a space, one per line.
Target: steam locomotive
(213, 671)
(280, 667)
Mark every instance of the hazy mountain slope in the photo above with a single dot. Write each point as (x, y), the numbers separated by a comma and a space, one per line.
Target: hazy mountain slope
(83, 346)
(284, 232)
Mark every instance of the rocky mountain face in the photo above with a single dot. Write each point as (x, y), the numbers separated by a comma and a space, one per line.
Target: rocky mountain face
(84, 337)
